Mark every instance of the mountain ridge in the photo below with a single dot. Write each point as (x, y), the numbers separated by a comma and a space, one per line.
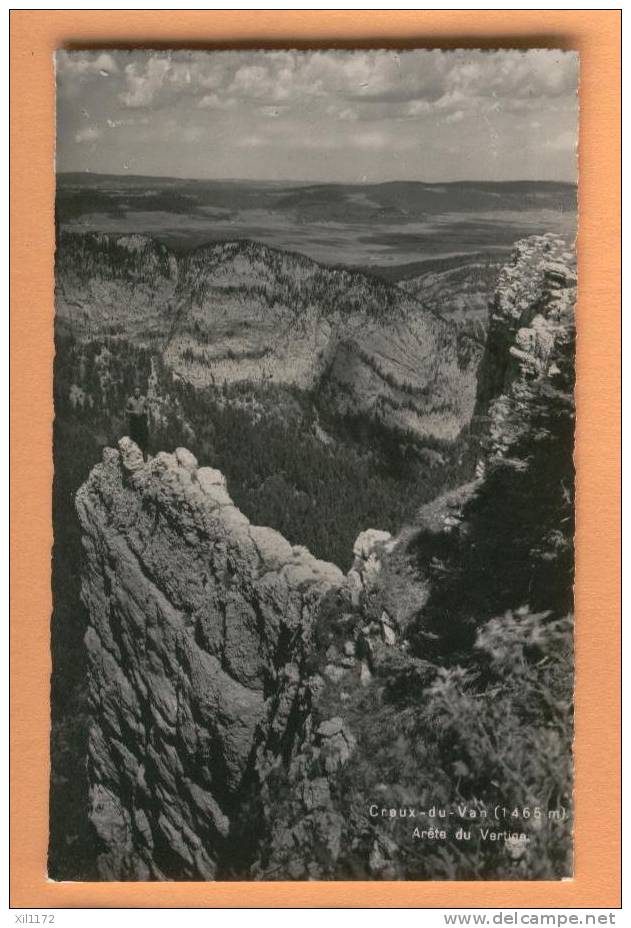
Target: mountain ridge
(397, 685)
(244, 311)
(91, 175)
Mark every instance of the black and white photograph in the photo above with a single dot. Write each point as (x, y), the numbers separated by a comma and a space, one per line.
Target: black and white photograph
(313, 493)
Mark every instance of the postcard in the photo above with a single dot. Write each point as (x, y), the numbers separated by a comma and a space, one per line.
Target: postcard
(313, 492)
(317, 474)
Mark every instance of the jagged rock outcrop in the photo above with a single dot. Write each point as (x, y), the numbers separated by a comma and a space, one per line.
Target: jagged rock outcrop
(198, 630)
(532, 309)
(242, 312)
(530, 343)
(479, 562)
(539, 333)
(518, 511)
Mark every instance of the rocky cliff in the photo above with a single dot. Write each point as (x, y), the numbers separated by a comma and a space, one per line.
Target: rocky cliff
(200, 624)
(238, 312)
(249, 702)
(531, 314)
(506, 537)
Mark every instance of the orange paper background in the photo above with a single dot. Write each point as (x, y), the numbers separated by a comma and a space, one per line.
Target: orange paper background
(596, 34)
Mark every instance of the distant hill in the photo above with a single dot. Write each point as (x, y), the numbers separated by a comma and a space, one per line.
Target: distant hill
(405, 199)
(241, 311)
(380, 226)
(402, 198)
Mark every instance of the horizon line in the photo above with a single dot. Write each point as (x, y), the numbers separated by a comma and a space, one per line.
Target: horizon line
(311, 182)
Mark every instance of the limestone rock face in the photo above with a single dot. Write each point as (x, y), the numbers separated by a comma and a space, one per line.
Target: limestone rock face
(533, 319)
(526, 372)
(198, 625)
(368, 549)
(205, 632)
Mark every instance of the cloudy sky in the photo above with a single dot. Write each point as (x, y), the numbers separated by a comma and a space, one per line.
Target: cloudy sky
(323, 115)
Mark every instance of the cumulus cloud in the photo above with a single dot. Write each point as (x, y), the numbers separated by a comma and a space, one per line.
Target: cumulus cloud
(365, 102)
(374, 139)
(456, 116)
(161, 78)
(533, 73)
(89, 134)
(126, 121)
(144, 82)
(76, 65)
(213, 101)
(76, 69)
(565, 141)
(274, 111)
(252, 141)
(419, 80)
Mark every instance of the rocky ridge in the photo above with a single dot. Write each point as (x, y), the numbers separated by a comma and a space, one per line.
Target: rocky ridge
(532, 311)
(223, 659)
(242, 312)
(199, 627)
(199, 644)
(530, 342)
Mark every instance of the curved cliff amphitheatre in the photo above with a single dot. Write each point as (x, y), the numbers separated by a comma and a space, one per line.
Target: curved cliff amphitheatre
(313, 497)
(242, 702)
(240, 311)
